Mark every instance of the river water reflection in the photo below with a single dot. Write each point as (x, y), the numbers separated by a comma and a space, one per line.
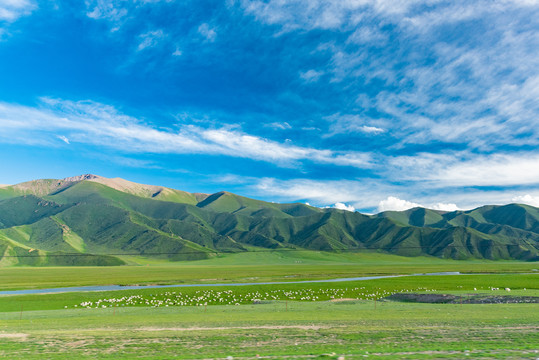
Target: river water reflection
(137, 287)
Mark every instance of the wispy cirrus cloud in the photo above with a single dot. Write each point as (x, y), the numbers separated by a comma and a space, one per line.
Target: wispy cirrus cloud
(104, 126)
(494, 170)
(466, 169)
(311, 75)
(347, 124)
(362, 194)
(63, 138)
(113, 11)
(150, 39)
(318, 192)
(116, 12)
(335, 14)
(11, 10)
(98, 124)
(279, 125)
(321, 14)
(209, 33)
(372, 195)
(478, 84)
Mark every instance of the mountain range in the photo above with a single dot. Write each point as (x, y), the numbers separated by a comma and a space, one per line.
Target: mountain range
(92, 220)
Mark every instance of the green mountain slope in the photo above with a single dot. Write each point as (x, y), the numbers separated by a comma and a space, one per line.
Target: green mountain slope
(415, 216)
(26, 209)
(90, 220)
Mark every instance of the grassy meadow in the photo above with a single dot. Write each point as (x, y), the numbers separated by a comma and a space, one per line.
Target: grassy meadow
(300, 330)
(348, 320)
(248, 267)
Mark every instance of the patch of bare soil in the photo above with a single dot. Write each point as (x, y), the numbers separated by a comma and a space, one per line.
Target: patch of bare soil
(77, 344)
(464, 299)
(15, 336)
(276, 327)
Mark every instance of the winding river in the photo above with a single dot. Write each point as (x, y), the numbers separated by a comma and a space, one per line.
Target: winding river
(138, 287)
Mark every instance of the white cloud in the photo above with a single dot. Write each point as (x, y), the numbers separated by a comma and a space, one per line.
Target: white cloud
(344, 158)
(11, 10)
(451, 13)
(208, 32)
(465, 169)
(342, 206)
(177, 52)
(445, 207)
(494, 170)
(117, 12)
(371, 129)
(396, 204)
(238, 144)
(358, 194)
(524, 2)
(526, 199)
(479, 87)
(365, 194)
(98, 124)
(105, 9)
(311, 75)
(317, 192)
(150, 39)
(338, 14)
(368, 35)
(481, 94)
(102, 125)
(279, 125)
(348, 15)
(346, 124)
(63, 138)
(321, 14)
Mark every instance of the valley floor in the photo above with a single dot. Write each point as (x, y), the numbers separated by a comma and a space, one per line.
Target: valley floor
(350, 320)
(249, 267)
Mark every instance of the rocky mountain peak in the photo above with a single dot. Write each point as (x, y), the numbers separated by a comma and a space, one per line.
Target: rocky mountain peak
(82, 178)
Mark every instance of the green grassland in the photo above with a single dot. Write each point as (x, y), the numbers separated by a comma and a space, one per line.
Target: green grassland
(50, 326)
(318, 330)
(520, 284)
(249, 267)
(274, 321)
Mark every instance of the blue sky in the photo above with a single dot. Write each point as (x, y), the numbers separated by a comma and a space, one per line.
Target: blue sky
(368, 104)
